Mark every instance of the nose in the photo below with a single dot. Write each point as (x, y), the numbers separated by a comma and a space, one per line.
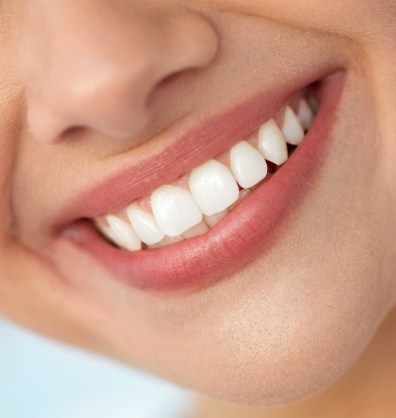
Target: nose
(96, 64)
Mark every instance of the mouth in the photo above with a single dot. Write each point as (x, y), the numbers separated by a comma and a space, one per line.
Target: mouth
(198, 200)
(214, 211)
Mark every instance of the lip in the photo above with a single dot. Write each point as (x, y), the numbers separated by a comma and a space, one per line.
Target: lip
(199, 262)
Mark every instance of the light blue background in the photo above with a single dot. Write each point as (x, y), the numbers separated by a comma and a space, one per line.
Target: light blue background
(43, 379)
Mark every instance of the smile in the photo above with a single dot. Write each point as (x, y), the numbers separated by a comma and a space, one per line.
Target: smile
(200, 199)
(220, 213)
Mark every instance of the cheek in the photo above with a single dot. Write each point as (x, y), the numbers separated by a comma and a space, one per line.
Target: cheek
(293, 322)
(280, 346)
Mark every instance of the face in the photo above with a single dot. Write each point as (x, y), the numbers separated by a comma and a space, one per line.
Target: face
(152, 210)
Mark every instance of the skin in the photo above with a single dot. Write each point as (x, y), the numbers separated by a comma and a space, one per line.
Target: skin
(312, 320)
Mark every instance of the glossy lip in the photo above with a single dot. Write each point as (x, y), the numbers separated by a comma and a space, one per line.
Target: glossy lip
(203, 260)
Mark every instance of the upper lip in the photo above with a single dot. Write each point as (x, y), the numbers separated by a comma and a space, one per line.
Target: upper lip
(188, 148)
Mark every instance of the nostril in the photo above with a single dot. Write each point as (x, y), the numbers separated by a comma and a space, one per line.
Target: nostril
(71, 133)
(170, 78)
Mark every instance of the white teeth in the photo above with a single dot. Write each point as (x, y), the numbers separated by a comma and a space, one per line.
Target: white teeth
(174, 210)
(145, 226)
(247, 164)
(213, 191)
(292, 129)
(272, 143)
(213, 187)
(123, 234)
(305, 114)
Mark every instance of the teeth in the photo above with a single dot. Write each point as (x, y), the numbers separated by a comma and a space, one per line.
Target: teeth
(145, 225)
(123, 234)
(247, 164)
(305, 114)
(213, 187)
(174, 210)
(272, 143)
(292, 129)
(183, 211)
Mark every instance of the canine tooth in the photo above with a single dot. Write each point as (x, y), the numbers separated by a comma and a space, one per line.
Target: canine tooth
(272, 143)
(305, 114)
(145, 225)
(213, 186)
(196, 230)
(292, 129)
(174, 210)
(213, 220)
(247, 164)
(123, 234)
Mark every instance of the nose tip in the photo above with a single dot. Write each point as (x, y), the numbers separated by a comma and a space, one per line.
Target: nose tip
(101, 77)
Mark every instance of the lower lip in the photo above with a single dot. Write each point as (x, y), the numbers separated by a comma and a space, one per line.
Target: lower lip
(246, 233)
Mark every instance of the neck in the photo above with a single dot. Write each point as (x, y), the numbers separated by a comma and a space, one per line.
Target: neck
(366, 390)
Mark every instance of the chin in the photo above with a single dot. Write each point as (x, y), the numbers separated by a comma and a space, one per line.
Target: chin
(277, 353)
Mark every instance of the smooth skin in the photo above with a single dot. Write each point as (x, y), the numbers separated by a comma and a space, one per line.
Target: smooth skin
(87, 87)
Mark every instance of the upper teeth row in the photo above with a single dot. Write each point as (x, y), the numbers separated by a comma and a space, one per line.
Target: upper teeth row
(187, 209)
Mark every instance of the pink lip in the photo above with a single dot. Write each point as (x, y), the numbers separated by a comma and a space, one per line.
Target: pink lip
(200, 261)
